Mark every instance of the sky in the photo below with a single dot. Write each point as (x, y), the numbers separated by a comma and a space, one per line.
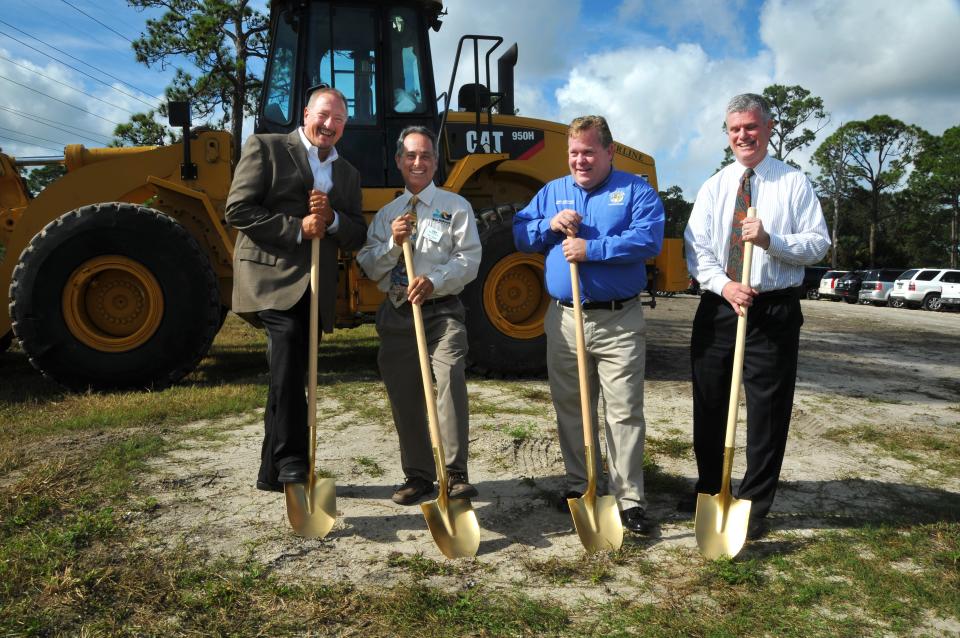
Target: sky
(660, 71)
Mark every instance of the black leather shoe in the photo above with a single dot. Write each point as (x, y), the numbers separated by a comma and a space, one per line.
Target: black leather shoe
(412, 490)
(268, 486)
(688, 504)
(635, 520)
(562, 505)
(757, 528)
(293, 472)
(459, 487)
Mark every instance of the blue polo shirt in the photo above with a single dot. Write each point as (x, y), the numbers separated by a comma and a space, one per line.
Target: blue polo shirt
(622, 224)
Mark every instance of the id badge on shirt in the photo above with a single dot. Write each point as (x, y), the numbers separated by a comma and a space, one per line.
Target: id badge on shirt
(433, 233)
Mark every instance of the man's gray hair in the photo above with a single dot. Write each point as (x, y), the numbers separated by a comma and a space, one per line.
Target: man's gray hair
(422, 130)
(750, 102)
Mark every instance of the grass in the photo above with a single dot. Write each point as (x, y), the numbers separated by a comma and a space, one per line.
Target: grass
(76, 559)
(936, 449)
(369, 466)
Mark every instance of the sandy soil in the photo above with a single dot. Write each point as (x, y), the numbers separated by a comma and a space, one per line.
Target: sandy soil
(859, 365)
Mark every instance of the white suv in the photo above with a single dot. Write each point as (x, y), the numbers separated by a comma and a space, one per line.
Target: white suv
(828, 284)
(949, 296)
(921, 287)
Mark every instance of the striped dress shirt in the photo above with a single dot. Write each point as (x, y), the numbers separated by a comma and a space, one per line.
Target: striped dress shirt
(791, 215)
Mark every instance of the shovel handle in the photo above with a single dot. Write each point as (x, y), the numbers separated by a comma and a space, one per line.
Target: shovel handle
(431, 400)
(739, 347)
(313, 345)
(585, 415)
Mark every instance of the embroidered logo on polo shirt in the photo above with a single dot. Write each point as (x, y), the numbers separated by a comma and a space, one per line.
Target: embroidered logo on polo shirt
(565, 202)
(617, 197)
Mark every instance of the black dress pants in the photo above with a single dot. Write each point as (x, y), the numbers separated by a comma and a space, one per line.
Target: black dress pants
(285, 418)
(769, 377)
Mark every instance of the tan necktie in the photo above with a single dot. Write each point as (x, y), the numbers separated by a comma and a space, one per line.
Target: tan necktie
(398, 276)
(735, 253)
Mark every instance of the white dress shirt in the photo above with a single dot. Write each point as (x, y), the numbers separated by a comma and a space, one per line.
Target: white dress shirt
(322, 173)
(446, 245)
(791, 215)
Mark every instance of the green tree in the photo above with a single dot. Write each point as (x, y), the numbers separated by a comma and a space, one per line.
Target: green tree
(881, 150)
(677, 211)
(143, 130)
(832, 157)
(39, 178)
(937, 171)
(793, 107)
(219, 37)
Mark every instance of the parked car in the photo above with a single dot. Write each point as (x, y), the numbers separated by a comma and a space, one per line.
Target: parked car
(949, 296)
(877, 284)
(922, 288)
(811, 280)
(847, 287)
(827, 283)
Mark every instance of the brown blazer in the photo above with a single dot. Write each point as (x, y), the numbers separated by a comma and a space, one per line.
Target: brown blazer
(268, 199)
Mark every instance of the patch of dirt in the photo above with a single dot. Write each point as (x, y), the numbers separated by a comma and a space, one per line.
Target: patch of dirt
(859, 366)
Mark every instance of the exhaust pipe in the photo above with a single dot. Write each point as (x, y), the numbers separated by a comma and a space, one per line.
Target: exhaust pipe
(505, 79)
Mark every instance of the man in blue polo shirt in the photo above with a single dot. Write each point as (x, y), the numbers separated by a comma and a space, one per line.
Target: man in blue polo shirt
(609, 222)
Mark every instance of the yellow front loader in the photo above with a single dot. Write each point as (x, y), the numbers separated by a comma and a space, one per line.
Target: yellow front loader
(120, 272)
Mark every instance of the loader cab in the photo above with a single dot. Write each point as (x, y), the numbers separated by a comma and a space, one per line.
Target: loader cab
(376, 52)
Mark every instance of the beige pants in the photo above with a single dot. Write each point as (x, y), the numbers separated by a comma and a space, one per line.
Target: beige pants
(400, 368)
(616, 355)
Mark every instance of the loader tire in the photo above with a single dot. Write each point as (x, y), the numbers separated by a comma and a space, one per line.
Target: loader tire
(506, 303)
(114, 296)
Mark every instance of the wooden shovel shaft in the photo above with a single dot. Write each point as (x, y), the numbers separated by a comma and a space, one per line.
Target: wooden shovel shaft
(582, 374)
(312, 347)
(431, 400)
(737, 376)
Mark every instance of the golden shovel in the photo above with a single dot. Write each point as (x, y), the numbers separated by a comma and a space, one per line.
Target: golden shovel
(596, 519)
(312, 506)
(721, 520)
(452, 522)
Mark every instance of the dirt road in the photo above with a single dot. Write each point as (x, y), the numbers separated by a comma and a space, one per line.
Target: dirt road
(872, 383)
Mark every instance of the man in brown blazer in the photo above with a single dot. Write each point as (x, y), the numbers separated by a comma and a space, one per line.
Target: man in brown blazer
(287, 190)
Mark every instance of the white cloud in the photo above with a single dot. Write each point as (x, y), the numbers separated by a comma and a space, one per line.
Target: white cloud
(870, 58)
(666, 102)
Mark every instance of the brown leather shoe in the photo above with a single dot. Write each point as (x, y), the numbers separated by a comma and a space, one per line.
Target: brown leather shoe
(459, 487)
(412, 490)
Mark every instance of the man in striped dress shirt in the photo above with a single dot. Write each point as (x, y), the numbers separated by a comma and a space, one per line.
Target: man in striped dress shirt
(788, 233)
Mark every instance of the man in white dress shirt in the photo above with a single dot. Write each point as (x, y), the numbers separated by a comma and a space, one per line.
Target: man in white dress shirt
(446, 258)
(788, 233)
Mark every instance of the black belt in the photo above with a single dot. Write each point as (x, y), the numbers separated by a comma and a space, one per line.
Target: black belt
(438, 300)
(614, 304)
(783, 292)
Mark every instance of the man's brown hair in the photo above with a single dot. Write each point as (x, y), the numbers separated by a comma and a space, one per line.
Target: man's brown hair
(587, 122)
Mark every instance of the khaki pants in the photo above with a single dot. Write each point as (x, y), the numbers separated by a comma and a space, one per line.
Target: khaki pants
(616, 356)
(400, 368)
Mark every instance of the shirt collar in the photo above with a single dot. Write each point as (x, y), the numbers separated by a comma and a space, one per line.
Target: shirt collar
(312, 150)
(425, 196)
(761, 170)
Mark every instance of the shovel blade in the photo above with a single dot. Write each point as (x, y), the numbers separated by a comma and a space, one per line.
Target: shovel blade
(598, 523)
(455, 529)
(311, 507)
(721, 525)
